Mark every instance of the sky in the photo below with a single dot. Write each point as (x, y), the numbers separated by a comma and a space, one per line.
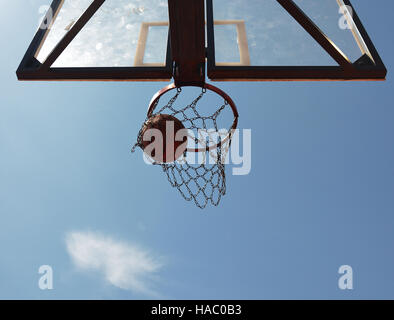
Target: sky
(72, 196)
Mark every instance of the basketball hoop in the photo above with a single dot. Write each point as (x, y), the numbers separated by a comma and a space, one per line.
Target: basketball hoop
(191, 55)
(203, 182)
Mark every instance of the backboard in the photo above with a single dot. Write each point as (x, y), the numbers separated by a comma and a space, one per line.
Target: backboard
(237, 40)
(289, 40)
(100, 40)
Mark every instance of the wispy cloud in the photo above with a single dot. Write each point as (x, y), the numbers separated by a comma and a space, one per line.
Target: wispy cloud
(124, 265)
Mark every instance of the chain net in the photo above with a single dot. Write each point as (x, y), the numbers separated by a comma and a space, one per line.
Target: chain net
(203, 182)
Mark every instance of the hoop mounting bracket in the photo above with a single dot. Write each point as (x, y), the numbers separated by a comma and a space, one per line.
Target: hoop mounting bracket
(187, 31)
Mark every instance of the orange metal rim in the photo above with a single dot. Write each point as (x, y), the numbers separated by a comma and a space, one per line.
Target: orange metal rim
(209, 87)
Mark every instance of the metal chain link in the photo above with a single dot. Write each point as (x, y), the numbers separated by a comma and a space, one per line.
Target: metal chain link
(202, 183)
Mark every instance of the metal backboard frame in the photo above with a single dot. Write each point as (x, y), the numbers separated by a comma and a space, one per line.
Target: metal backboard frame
(368, 67)
(31, 69)
(187, 56)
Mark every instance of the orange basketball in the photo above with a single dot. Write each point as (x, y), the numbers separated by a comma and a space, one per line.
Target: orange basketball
(171, 149)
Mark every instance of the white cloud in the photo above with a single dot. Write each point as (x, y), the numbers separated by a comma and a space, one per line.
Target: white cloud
(123, 265)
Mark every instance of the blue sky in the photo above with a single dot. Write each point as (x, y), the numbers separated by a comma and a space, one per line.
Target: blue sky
(320, 193)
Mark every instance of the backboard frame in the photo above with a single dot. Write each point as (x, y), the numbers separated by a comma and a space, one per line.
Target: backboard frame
(362, 69)
(186, 52)
(31, 69)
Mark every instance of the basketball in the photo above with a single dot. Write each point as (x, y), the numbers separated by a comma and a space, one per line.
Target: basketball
(171, 149)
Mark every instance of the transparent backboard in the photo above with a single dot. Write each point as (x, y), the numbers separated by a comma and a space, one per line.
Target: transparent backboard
(289, 40)
(274, 38)
(246, 40)
(120, 33)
